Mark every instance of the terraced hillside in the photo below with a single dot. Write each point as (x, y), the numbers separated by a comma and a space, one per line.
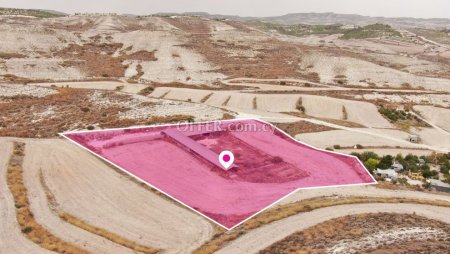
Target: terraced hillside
(336, 92)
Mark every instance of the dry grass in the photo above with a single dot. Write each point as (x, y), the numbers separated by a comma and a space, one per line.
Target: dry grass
(106, 234)
(221, 238)
(146, 91)
(299, 105)
(69, 109)
(318, 238)
(301, 127)
(94, 59)
(255, 103)
(273, 58)
(344, 113)
(139, 74)
(97, 60)
(29, 226)
(204, 99)
(4, 55)
(225, 103)
(227, 116)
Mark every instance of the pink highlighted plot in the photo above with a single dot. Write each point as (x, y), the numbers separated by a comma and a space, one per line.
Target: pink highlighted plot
(182, 161)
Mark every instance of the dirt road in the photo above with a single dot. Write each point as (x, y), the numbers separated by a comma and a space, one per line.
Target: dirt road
(89, 189)
(264, 236)
(11, 238)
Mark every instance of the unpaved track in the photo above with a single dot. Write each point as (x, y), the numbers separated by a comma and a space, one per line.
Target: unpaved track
(44, 216)
(88, 188)
(11, 238)
(366, 191)
(264, 236)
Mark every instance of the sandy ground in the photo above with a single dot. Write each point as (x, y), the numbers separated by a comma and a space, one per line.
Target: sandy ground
(11, 238)
(146, 218)
(435, 115)
(264, 236)
(434, 137)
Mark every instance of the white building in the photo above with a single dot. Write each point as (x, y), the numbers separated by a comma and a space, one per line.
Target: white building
(397, 167)
(387, 173)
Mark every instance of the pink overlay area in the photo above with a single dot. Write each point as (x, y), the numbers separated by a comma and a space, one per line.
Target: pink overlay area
(182, 161)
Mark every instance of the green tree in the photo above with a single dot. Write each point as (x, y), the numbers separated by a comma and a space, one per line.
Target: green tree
(367, 155)
(427, 173)
(371, 164)
(386, 162)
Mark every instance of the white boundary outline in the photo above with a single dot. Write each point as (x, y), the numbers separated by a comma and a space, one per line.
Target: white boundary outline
(62, 134)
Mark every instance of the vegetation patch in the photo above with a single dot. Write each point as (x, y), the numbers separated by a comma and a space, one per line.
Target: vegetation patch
(221, 238)
(31, 12)
(4, 55)
(204, 99)
(28, 224)
(324, 236)
(404, 119)
(371, 31)
(301, 127)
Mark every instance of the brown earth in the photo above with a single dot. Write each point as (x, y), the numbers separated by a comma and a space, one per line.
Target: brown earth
(324, 235)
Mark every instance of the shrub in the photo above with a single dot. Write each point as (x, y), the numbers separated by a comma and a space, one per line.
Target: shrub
(386, 162)
(337, 146)
(299, 105)
(27, 230)
(358, 146)
(371, 164)
(146, 91)
(445, 168)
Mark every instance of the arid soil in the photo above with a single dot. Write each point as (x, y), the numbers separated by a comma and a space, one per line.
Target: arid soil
(368, 233)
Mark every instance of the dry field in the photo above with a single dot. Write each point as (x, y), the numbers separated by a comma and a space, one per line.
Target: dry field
(97, 71)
